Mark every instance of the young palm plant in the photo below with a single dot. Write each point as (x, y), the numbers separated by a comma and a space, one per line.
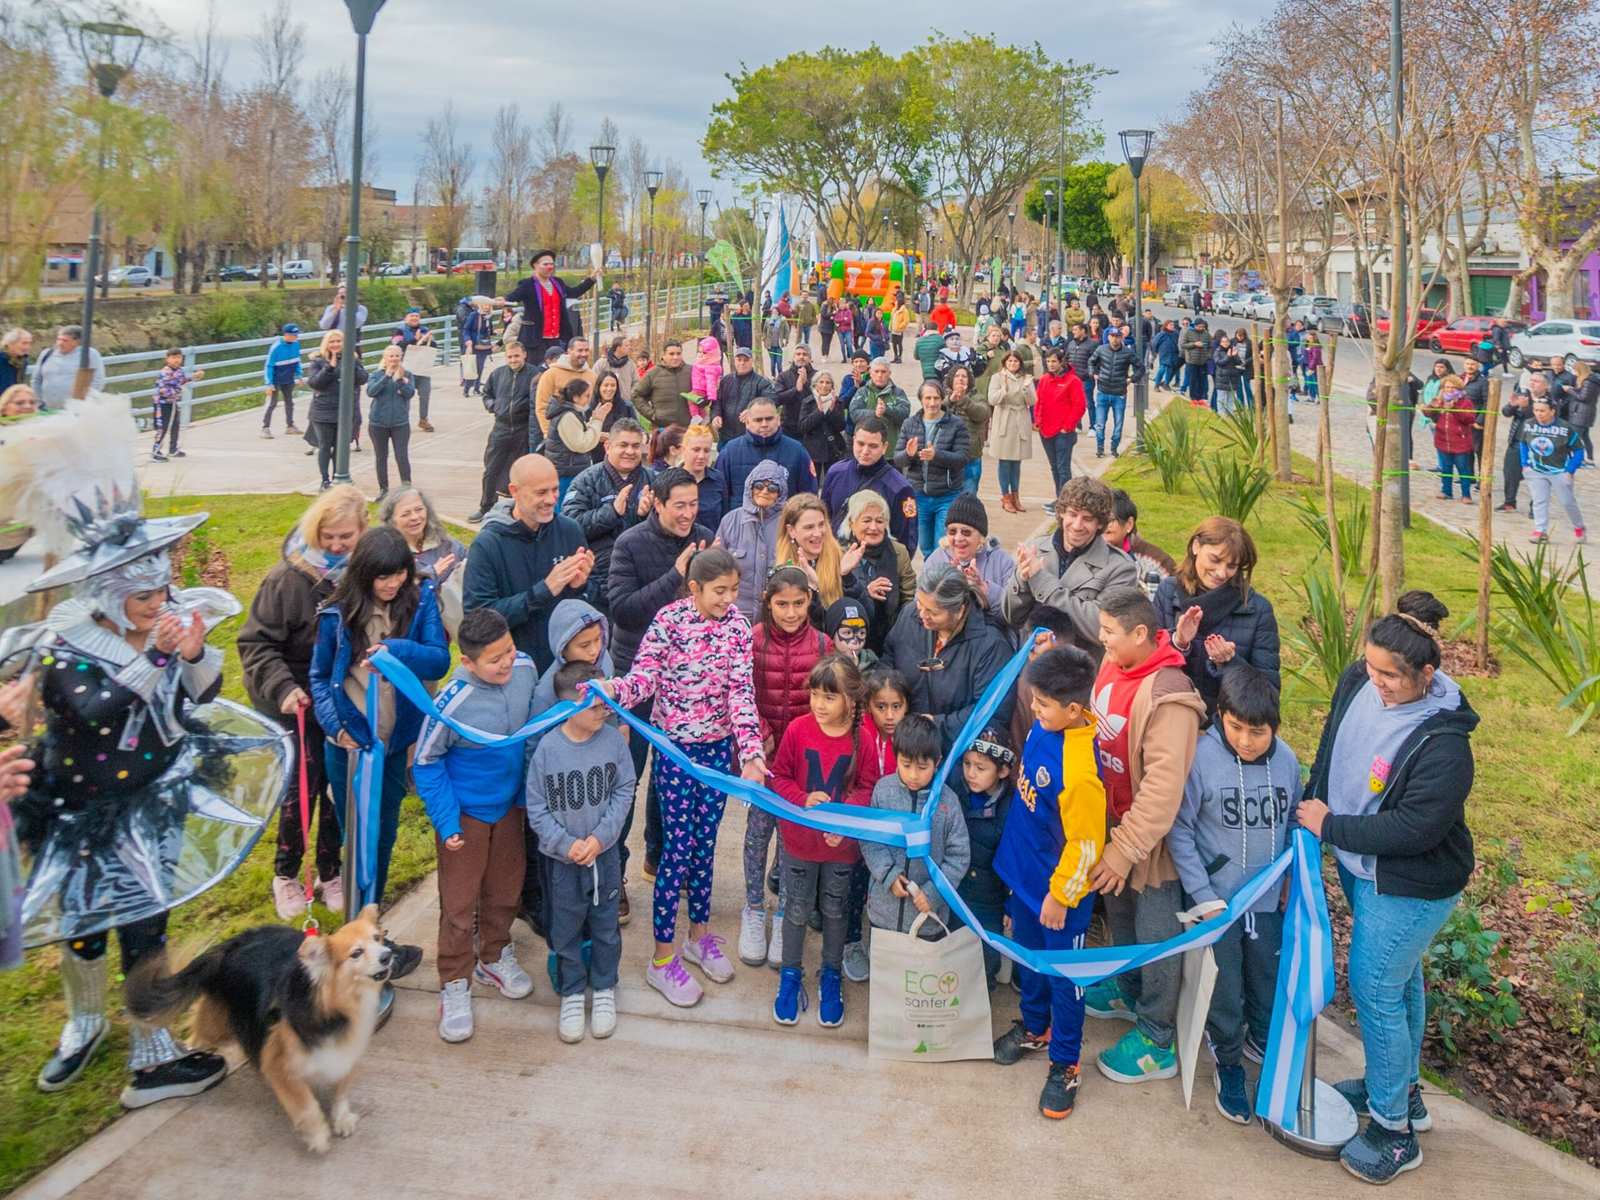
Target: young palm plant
(1232, 485)
(1329, 639)
(1553, 628)
(1172, 445)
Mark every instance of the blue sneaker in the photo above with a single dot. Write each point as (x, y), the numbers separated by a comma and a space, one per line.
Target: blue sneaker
(1136, 1059)
(830, 1002)
(1233, 1101)
(1378, 1155)
(791, 1001)
(1104, 1000)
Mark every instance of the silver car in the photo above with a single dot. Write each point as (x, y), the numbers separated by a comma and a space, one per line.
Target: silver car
(1566, 339)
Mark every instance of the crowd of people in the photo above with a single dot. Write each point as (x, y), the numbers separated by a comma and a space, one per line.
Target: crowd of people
(793, 579)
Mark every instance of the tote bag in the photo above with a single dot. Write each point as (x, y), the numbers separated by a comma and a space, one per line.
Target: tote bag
(420, 360)
(929, 1001)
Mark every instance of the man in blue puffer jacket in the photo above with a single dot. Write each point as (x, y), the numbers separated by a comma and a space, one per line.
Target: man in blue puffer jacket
(281, 373)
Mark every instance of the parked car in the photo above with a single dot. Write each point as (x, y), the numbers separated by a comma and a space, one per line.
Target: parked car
(1568, 340)
(1258, 306)
(1429, 321)
(129, 277)
(1181, 296)
(1225, 302)
(1347, 319)
(298, 268)
(1310, 309)
(231, 273)
(394, 269)
(1462, 334)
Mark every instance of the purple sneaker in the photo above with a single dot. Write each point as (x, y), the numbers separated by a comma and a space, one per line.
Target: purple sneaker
(706, 953)
(673, 982)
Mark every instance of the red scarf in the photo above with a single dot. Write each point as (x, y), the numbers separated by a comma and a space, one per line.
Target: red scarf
(1114, 692)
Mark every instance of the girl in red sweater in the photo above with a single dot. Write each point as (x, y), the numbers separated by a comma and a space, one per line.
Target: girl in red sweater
(786, 646)
(815, 764)
(1058, 409)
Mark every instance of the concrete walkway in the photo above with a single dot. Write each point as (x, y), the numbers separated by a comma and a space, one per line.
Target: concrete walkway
(717, 1100)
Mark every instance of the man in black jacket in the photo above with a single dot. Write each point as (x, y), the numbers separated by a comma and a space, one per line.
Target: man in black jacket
(610, 498)
(791, 388)
(1079, 347)
(546, 318)
(1113, 366)
(527, 557)
(1476, 385)
(505, 394)
(734, 394)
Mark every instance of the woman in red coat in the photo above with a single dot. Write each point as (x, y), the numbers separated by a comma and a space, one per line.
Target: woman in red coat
(1453, 416)
(1058, 410)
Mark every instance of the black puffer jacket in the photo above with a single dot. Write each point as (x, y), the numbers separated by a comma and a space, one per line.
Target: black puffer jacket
(1114, 368)
(971, 660)
(591, 502)
(822, 433)
(735, 393)
(322, 377)
(1251, 626)
(1079, 351)
(1578, 408)
(643, 579)
(942, 474)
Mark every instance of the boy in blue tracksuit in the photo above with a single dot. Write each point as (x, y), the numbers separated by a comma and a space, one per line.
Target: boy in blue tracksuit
(987, 768)
(1237, 811)
(281, 373)
(1053, 837)
(474, 797)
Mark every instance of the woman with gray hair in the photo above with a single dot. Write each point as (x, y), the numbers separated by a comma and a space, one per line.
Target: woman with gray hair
(439, 556)
(15, 347)
(948, 650)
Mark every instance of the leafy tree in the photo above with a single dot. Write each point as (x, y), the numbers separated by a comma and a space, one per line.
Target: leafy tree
(1174, 211)
(1084, 227)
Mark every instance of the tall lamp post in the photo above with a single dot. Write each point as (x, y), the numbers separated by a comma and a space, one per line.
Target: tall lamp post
(765, 211)
(886, 231)
(1011, 247)
(110, 51)
(703, 199)
(600, 157)
(1050, 265)
(362, 14)
(927, 263)
(1136, 148)
(652, 184)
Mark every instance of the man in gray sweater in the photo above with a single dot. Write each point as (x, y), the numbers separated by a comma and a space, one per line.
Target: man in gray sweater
(580, 787)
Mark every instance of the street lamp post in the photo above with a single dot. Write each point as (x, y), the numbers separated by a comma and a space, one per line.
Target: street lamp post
(652, 184)
(1136, 148)
(1050, 265)
(110, 51)
(886, 231)
(1011, 247)
(362, 14)
(600, 158)
(703, 198)
(927, 263)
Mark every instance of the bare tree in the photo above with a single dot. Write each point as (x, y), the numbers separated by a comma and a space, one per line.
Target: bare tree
(506, 197)
(446, 171)
(279, 45)
(555, 132)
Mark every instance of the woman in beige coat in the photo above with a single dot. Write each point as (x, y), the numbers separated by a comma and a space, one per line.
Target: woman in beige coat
(1011, 426)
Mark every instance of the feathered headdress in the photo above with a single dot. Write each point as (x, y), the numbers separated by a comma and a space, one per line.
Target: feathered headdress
(70, 475)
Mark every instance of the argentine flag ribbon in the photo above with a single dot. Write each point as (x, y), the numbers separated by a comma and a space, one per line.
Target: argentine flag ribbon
(1305, 968)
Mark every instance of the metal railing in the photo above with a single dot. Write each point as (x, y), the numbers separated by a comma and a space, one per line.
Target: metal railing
(235, 369)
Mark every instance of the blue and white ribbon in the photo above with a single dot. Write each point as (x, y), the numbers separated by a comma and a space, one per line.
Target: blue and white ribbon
(1305, 970)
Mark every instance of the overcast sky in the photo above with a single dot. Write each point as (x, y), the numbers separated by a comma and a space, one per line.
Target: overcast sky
(657, 75)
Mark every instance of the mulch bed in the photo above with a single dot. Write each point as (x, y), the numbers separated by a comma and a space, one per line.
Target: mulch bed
(215, 569)
(1536, 1076)
(1461, 661)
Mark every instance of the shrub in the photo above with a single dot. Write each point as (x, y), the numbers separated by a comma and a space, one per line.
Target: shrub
(1232, 486)
(1575, 973)
(1352, 529)
(1239, 428)
(237, 316)
(1329, 638)
(1467, 992)
(1563, 648)
(385, 302)
(1172, 445)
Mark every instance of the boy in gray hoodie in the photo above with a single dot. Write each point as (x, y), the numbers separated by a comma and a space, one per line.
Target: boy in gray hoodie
(580, 788)
(890, 903)
(1238, 808)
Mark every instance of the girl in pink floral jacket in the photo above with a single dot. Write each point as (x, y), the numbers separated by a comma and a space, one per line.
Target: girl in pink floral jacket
(696, 661)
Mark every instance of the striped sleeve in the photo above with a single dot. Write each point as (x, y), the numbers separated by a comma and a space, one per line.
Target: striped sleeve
(1083, 822)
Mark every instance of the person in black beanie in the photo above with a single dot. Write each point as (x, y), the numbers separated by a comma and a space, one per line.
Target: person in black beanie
(967, 544)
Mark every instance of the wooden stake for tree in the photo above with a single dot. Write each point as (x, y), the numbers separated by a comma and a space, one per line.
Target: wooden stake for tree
(1325, 394)
(1259, 378)
(1491, 416)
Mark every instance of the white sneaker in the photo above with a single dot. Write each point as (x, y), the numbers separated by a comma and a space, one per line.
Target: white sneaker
(775, 947)
(455, 1010)
(570, 1027)
(857, 962)
(506, 974)
(287, 897)
(753, 936)
(333, 894)
(603, 1013)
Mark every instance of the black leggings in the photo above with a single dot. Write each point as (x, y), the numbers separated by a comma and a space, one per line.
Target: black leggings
(382, 437)
(897, 340)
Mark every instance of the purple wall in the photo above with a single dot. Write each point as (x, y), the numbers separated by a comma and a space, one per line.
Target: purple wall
(1589, 273)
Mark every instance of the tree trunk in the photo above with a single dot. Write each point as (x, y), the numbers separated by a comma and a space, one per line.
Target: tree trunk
(1325, 465)
(1558, 276)
(1283, 463)
(1391, 547)
(1380, 439)
(197, 273)
(1491, 415)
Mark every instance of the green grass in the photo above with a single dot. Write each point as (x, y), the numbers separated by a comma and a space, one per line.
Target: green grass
(35, 1128)
(1533, 786)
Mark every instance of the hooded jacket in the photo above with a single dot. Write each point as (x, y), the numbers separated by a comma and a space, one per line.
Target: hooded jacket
(926, 350)
(944, 473)
(847, 477)
(280, 634)
(572, 435)
(591, 502)
(282, 366)
(643, 579)
(1076, 593)
(740, 456)
(1454, 415)
(1060, 405)
(506, 568)
(578, 790)
(1195, 345)
(658, 396)
(750, 534)
(567, 621)
(458, 777)
(972, 658)
(1250, 624)
(322, 377)
(1418, 835)
(706, 370)
(950, 852)
(1166, 349)
(736, 393)
(1235, 818)
(552, 380)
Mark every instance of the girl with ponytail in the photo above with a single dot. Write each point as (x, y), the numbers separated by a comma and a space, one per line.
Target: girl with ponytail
(816, 764)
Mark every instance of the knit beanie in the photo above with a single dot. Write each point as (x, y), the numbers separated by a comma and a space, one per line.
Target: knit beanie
(968, 510)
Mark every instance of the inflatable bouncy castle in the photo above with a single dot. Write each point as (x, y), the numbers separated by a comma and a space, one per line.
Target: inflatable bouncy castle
(869, 274)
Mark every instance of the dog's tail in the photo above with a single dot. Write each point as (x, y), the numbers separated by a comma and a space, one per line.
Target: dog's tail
(153, 991)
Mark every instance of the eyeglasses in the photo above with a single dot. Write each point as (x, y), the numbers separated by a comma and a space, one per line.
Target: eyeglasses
(765, 486)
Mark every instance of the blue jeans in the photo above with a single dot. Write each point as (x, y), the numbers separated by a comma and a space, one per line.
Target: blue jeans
(393, 791)
(1108, 404)
(847, 340)
(972, 476)
(1166, 373)
(1058, 453)
(930, 520)
(1245, 392)
(1459, 465)
(1010, 471)
(1049, 1001)
(1387, 939)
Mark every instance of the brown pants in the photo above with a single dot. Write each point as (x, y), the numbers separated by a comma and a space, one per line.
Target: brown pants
(480, 886)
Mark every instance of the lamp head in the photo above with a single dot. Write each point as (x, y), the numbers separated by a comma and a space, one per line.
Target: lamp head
(1136, 148)
(109, 50)
(766, 209)
(652, 182)
(363, 13)
(601, 158)
(703, 198)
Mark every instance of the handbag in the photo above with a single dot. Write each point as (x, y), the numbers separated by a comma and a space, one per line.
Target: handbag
(928, 1001)
(420, 360)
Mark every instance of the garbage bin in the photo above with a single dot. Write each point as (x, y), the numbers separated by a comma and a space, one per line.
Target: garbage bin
(485, 285)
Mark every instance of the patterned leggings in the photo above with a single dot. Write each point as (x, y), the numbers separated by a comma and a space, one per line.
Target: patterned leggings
(759, 827)
(690, 815)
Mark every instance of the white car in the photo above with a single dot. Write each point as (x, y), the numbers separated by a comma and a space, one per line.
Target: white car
(1225, 302)
(1311, 309)
(1258, 306)
(1566, 339)
(131, 277)
(298, 268)
(1178, 297)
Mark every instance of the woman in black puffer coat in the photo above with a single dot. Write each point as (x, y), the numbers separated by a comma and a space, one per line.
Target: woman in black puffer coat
(322, 426)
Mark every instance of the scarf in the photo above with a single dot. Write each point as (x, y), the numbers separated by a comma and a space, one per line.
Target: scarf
(1215, 605)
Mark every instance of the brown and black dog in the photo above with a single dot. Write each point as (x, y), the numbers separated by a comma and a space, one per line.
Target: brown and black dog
(301, 1008)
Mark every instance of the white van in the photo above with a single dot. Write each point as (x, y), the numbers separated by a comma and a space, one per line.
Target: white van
(298, 268)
